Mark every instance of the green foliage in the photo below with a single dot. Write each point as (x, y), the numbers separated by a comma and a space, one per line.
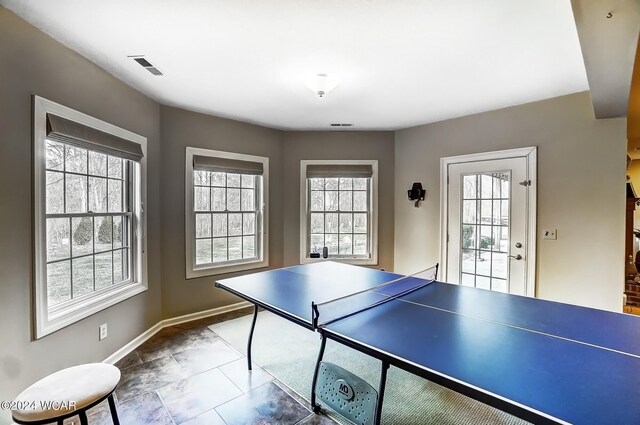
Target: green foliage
(467, 236)
(486, 242)
(84, 232)
(104, 231)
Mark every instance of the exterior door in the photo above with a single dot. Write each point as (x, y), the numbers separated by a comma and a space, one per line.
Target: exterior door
(488, 222)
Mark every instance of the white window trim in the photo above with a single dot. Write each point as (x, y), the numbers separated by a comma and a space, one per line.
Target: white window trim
(304, 259)
(45, 323)
(193, 271)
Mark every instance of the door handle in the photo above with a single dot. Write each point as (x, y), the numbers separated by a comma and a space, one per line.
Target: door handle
(516, 257)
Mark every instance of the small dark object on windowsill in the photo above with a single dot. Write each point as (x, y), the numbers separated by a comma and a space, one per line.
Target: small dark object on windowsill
(314, 255)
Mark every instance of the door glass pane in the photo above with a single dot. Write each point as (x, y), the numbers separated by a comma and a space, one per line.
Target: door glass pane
(485, 230)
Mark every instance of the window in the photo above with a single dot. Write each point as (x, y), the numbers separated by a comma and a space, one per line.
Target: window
(225, 212)
(338, 210)
(89, 191)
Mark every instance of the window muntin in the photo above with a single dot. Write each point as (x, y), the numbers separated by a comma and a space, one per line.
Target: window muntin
(225, 217)
(88, 222)
(339, 211)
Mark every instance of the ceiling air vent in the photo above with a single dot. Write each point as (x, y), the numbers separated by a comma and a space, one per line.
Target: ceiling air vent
(341, 124)
(146, 65)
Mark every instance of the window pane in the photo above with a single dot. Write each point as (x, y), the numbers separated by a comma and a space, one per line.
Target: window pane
(203, 225)
(235, 225)
(317, 223)
(331, 200)
(249, 224)
(58, 282)
(218, 179)
(469, 212)
(331, 184)
(248, 199)
(317, 184)
(235, 248)
(499, 285)
(117, 232)
(360, 223)
(76, 192)
(97, 194)
(360, 244)
(233, 180)
(233, 199)
(219, 199)
(331, 242)
(82, 235)
(97, 164)
(317, 200)
(82, 276)
(346, 184)
(346, 201)
(115, 167)
(499, 265)
(120, 265)
(360, 201)
(483, 282)
(469, 260)
(55, 192)
(331, 223)
(219, 225)
(203, 251)
(468, 236)
(201, 178)
(468, 280)
(104, 270)
(248, 181)
(201, 198)
(76, 160)
(55, 156)
(345, 244)
(219, 249)
(346, 223)
(485, 189)
(360, 184)
(317, 242)
(58, 235)
(469, 187)
(103, 233)
(248, 247)
(115, 196)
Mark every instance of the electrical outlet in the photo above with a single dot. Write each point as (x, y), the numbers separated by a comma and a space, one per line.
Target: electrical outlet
(103, 331)
(550, 234)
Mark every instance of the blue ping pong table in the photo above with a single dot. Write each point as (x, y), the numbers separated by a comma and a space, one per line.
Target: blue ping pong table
(542, 361)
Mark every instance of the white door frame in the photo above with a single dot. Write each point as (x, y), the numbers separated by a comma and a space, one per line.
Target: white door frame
(530, 153)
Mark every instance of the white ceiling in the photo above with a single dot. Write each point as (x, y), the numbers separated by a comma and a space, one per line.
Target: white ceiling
(398, 63)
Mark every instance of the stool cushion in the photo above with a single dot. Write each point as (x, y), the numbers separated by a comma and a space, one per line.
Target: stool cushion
(83, 384)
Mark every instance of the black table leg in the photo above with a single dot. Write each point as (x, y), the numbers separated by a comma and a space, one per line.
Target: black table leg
(314, 405)
(383, 383)
(253, 326)
(114, 411)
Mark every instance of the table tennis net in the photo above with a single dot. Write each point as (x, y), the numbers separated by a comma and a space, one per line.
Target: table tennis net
(331, 311)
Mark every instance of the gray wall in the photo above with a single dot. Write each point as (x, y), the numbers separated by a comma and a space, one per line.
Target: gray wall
(33, 63)
(581, 192)
(338, 145)
(180, 129)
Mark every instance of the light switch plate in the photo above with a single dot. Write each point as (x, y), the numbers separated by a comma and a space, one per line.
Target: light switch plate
(550, 234)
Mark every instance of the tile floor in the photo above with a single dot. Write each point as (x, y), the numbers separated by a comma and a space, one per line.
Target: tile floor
(186, 374)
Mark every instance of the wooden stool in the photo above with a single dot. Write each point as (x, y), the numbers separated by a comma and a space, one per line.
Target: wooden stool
(67, 393)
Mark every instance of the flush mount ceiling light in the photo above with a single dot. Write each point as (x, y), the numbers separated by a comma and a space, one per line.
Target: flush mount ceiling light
(321, 84)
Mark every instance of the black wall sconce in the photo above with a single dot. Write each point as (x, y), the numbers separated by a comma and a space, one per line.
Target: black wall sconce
(416, 193)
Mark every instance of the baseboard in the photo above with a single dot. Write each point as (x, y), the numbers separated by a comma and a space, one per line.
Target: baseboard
(206, 313)
(137, 341)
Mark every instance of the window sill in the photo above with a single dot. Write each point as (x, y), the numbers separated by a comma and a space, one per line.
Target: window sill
(354, 261)
(73, 314)
(223, 269)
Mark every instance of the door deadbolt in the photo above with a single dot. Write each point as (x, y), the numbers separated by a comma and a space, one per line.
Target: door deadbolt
(518, 245)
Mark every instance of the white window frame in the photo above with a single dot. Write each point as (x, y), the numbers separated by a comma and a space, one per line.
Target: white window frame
(262, 218)
(46, 322)
(304, 213)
